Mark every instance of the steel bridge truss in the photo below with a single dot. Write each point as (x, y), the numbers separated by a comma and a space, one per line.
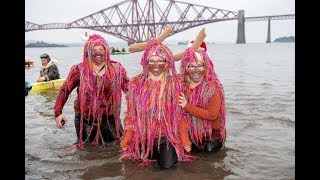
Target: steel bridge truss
(134, 21)
(266, 18)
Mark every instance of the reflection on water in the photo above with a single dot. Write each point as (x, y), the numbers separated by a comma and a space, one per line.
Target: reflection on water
(94, 163)
(45, 108)
(50, 95)
(259, 84)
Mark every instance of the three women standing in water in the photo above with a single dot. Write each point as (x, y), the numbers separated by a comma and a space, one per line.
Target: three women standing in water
(167, 111)
(152, 112)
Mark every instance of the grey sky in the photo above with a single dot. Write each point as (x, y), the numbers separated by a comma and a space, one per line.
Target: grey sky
(65, 11)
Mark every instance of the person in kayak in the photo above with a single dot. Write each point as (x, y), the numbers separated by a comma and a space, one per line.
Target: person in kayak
(49, 69)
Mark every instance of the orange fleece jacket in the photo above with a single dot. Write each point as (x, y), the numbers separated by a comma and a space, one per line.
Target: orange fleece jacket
(212, 113)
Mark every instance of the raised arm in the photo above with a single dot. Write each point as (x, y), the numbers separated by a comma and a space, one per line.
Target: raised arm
(196, 44)
(137, 47)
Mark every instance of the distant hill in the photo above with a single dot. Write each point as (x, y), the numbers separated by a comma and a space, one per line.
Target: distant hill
(43, 44)
(118, 44)
(285, 39)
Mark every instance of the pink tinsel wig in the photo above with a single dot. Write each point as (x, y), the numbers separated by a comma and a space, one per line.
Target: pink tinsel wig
(158, 50)
(190, 57)
(91, 92)
(210, 76)
(93, 40)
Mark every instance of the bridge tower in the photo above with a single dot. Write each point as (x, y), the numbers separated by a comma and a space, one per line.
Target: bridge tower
(241, 32)
(269, 32)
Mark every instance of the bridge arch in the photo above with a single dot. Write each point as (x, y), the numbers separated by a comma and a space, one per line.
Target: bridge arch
(133, 21)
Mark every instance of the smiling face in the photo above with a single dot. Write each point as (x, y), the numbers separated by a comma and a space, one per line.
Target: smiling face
(44, 61)
(195, 72)
(157, 65)
(98, 54)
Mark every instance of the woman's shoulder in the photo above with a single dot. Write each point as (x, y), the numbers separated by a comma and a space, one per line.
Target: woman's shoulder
(136, 78)
(211, 83)
(115, 63)
(75, 68)
(135, 81)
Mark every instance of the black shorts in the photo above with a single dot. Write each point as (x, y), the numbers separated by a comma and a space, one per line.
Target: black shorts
(107, 128)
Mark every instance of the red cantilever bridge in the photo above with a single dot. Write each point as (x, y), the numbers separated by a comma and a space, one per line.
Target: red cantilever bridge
(133, 21)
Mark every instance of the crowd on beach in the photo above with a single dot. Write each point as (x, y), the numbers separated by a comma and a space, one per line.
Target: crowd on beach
(170, 116)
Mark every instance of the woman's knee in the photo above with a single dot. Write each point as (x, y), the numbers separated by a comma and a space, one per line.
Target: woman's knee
(167, 156)
(213, 146)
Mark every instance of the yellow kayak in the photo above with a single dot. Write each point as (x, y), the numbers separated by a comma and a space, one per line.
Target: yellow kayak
(44, 86)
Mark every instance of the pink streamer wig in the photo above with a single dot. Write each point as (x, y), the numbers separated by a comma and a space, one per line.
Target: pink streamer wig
(91, 89)
(200, 96)
(151, 112)
(160, 50)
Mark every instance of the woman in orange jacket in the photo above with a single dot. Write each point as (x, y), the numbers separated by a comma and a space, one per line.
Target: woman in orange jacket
(202, 98)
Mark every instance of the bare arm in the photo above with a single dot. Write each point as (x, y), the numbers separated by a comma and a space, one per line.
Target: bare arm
(196, 44)
(178, 56)
(199, 39)
(137, 47)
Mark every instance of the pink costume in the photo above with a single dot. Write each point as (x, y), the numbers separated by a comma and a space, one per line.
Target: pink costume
(202, 129)
(98, 97)
(153, 110)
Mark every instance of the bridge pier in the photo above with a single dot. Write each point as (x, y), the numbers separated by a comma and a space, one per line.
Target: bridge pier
(241, 32)
(269, 32)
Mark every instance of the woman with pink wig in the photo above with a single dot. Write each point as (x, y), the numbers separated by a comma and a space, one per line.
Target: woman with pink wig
(153, 113)
(99, 81)
(202, 98)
